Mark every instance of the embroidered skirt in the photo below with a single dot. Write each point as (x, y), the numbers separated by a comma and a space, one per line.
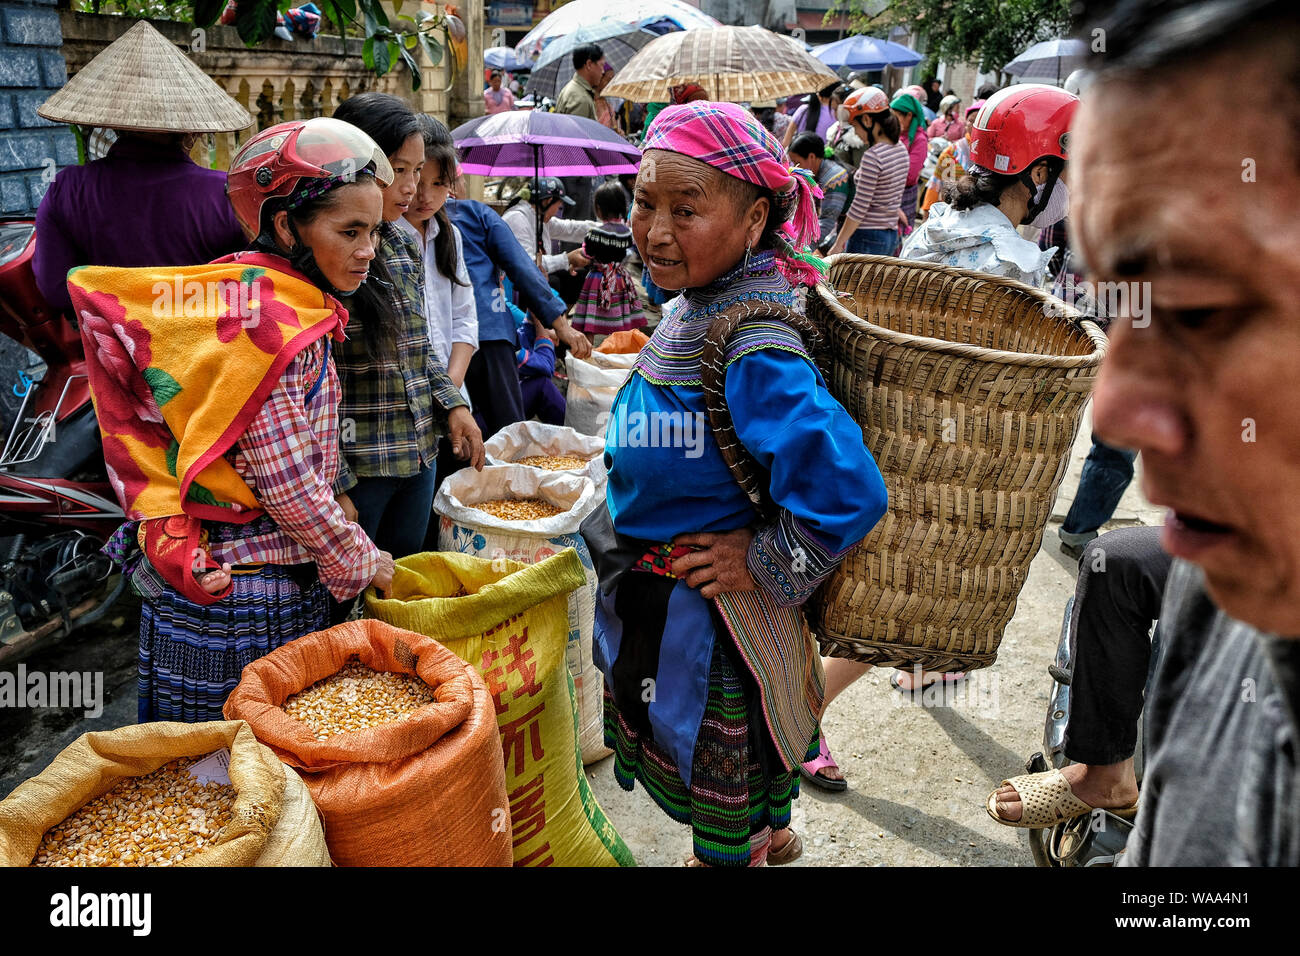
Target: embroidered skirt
(191, 655)
(739, 790)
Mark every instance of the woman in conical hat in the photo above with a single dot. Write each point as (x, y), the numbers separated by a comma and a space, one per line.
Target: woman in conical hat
(146, 203)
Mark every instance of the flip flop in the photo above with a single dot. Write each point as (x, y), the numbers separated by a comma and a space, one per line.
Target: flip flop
(811, 770)
(947, 680)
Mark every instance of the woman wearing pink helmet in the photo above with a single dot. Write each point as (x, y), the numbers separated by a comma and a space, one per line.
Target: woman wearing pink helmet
(242, 483)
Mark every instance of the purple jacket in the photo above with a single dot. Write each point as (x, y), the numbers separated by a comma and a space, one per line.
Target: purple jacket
(138, 206)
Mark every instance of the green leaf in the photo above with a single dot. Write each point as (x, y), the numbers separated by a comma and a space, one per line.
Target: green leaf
(383, 58)
(394, 51)
(172, 452)
(204, 497)
(348, 8)
(368, 54)
(432, 49)
(414, 67)
(410, 41)
(375, 16)
(206, 12)
(163, 386)
(255, 20)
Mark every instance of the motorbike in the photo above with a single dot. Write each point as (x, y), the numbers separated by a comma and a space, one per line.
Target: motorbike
(57, 506)
(1098, 838)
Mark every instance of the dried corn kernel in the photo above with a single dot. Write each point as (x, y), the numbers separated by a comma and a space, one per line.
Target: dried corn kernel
(519, 509)
(554, 462)
(158, 819)
(357, 698)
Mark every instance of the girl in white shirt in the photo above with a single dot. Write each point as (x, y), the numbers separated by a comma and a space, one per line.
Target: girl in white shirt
(449, 304)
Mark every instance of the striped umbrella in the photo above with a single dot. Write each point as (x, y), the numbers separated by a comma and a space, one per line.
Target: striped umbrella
(732, 64)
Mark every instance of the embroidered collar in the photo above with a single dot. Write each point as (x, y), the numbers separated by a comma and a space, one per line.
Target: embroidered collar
(672, 356)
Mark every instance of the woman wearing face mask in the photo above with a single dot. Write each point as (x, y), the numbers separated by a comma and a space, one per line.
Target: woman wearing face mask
(871, 224)
(1018, 156)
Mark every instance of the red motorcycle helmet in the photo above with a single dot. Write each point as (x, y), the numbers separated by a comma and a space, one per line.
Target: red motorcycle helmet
(1018, 126)
(272, 163)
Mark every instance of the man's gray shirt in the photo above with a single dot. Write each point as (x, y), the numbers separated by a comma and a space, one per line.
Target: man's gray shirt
(1220, 787)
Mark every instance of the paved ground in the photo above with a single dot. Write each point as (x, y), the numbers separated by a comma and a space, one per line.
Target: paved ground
(918, 775)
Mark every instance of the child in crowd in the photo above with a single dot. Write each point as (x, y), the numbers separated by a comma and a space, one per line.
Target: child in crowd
(609, 301)
(536, 358)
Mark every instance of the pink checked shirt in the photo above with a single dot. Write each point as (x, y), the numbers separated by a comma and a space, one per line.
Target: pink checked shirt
(289, 457)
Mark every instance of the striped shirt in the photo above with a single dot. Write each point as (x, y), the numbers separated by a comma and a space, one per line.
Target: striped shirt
(879, 181)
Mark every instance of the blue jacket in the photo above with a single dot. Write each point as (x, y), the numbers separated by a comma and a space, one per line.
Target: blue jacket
(491, 248)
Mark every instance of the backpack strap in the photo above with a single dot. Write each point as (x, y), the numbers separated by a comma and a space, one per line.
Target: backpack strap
(737, 331)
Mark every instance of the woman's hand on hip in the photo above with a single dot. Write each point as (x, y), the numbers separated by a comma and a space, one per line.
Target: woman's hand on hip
(466, 439)
(719, 566)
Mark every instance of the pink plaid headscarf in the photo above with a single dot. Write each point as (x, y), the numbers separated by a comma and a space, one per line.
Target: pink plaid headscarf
(732, 140)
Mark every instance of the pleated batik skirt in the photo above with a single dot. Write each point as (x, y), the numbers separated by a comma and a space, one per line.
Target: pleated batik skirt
(191, 655)
(739, 790)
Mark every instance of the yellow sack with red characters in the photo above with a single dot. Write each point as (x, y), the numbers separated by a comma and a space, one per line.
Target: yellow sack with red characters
(510, 620)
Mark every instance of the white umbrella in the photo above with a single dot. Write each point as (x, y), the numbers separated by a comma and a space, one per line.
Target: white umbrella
(1051, 60)
(618, 40)
(577, 13)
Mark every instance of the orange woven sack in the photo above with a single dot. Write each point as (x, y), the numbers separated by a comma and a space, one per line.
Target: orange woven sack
(426, 791)
(629, 341)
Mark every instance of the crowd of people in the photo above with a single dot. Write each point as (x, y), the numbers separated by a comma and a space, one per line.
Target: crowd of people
(382, 359)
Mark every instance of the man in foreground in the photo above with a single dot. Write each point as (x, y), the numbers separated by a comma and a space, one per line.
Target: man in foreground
(1207, 391)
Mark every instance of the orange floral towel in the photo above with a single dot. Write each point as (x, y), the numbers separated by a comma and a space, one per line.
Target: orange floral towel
(180, 360)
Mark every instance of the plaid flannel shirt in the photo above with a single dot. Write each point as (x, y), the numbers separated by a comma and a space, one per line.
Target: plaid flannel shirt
(395, 408)
(289, 456)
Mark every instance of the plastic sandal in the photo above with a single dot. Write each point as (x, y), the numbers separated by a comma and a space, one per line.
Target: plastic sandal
(1045, 800)
(788, 853)
(809, 770)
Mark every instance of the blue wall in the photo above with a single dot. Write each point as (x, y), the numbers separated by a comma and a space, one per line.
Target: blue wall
(31, 68)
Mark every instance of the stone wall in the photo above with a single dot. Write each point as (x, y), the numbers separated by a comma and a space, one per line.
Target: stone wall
(31, 68)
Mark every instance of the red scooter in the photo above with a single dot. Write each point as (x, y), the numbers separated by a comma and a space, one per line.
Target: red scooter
(56, 504)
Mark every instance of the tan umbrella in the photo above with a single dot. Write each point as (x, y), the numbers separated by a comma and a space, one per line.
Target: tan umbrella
(141, 81)
(732, 64)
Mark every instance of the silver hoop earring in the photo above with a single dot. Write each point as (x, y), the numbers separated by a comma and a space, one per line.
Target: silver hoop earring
(749, 248)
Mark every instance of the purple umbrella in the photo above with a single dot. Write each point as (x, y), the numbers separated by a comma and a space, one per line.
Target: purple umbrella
(536, 144)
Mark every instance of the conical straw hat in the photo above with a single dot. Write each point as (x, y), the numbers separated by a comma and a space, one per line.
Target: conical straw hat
(141, 81)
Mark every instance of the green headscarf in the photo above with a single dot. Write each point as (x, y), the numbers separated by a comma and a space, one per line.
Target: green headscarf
(906, 103)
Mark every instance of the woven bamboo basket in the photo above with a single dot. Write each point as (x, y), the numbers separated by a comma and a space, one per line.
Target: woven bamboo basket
(969, 389)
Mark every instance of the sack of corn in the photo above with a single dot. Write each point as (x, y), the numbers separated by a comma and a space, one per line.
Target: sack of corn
(509, 620)
(395, 738)
(550, 448)
(592, 387)
(163, 794)
(527, 515)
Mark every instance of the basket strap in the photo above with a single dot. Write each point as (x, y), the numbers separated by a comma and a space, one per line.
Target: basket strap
(713, 374)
